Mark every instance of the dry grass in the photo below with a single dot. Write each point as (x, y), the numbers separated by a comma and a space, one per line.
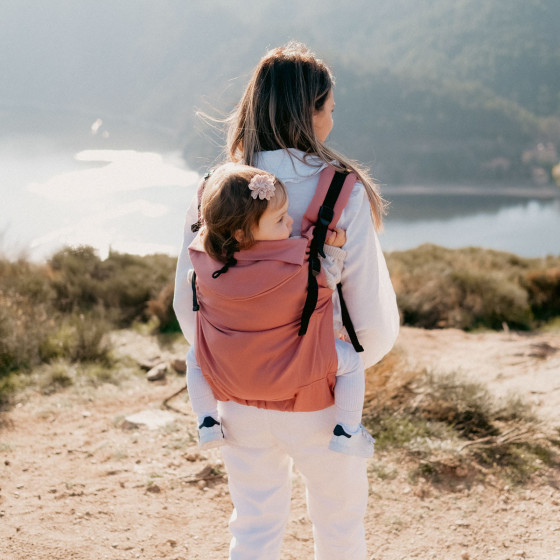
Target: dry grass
(450, 429)
(474, 288)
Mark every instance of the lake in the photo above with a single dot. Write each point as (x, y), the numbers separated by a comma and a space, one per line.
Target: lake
(525, 221)
(128, 190)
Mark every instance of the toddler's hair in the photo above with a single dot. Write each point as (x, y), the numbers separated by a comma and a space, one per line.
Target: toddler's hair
(229, 212)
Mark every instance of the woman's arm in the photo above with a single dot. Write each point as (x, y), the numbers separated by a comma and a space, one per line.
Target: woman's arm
(366, 285)
(183, 299)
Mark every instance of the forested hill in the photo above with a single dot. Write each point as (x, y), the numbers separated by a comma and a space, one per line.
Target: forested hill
(427, 91)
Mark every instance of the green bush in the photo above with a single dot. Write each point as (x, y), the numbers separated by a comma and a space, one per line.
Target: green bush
(543, 287)
(122, 284)
(473, 288)
(79, 338)
(162, 308)
(25, 314)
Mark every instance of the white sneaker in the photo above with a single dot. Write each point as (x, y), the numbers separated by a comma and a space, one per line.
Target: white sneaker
(210, 434)
(360, 444)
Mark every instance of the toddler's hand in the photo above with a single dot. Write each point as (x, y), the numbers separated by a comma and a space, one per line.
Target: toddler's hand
(336, 238)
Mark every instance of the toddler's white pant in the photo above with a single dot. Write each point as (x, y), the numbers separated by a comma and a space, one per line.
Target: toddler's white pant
(262, 446)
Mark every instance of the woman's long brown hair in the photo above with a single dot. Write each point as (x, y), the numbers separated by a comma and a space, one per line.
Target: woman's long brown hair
(276, 112)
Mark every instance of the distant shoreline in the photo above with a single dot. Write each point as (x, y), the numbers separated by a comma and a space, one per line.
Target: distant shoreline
(543, 192)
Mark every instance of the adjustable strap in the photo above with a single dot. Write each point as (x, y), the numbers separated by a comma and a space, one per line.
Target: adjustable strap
(324, 218)
(347, 321)
(195, 306)
(198, 224)
(326, 211)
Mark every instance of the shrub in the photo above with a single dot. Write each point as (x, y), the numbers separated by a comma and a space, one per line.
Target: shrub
(25, 314)
(452, 428)
(122, 284)
(162, 308)
(79, 337)
(76, 278)
(471, 288)
(543, 287)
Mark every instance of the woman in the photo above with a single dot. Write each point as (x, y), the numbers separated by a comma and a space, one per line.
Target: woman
(280, 126)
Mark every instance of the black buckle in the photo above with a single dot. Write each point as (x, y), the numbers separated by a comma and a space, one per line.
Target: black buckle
(315, 266)
(325, 216)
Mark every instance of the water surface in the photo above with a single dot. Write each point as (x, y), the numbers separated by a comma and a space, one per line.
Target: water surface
(127, 189)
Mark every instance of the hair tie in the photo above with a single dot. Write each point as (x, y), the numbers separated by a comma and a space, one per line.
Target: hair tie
(262, 186)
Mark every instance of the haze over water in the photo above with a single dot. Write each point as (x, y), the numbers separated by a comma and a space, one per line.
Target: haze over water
(119, 195)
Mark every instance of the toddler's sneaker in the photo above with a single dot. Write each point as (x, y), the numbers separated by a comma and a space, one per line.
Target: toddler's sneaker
(210, 434)
(360, 444)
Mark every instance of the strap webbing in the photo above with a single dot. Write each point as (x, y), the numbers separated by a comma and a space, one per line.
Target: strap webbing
(324, 219)
(326, 211)
(195, 306)
(347, 321)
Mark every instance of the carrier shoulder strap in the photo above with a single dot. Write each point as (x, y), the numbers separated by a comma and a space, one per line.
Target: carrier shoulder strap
(195, 306)
(325, 216)
(200, 189)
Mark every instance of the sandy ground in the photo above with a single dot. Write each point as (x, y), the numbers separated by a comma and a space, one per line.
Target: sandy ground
(79, 482)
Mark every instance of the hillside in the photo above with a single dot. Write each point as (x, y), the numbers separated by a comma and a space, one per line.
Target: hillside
(427, 92)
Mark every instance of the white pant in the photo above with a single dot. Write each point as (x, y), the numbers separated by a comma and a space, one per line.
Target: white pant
(262, 446)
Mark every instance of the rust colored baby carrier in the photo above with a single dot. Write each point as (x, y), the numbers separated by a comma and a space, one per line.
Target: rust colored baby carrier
(264, 330)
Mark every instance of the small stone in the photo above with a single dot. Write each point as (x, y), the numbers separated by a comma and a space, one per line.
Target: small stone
(180, 366)
(149, 363)
(465, 555)
(192, 457)
(154, 489)
(156, 373)
(153, 419)
(202, 484)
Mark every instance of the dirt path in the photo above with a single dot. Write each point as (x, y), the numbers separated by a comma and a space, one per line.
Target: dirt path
(79, 483)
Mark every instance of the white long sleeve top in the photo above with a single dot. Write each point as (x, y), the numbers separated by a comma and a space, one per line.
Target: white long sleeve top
(366, 284)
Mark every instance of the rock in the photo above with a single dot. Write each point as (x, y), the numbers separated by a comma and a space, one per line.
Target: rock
(180, 366)
(192, 457)
(149, 363)
(158, 372)
(152, 419)
(153, 488)
(126, 425)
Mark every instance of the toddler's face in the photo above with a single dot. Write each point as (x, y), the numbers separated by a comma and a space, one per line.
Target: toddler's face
(275, 224)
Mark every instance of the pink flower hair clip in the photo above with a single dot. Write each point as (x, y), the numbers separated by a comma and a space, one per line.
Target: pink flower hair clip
(262, 186)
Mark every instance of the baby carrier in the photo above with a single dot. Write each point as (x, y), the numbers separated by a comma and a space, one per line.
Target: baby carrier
(264, 330)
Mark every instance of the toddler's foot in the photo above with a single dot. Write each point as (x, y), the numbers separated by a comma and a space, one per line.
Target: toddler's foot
(210, 434)
(360, 443)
